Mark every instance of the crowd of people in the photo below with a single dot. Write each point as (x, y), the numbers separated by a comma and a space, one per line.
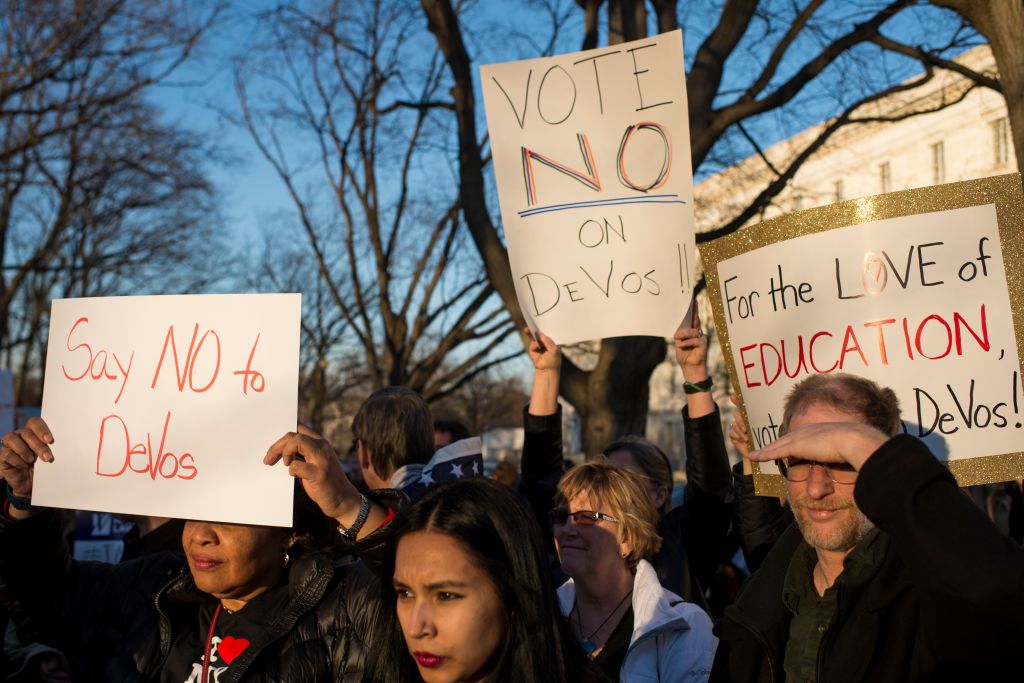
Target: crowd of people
(875, 568)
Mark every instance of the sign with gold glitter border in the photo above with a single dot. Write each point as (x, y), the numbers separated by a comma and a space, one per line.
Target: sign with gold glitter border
(908, 289)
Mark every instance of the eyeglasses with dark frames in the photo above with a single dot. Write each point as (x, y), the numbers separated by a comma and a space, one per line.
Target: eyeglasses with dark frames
(560, 517)
(797, 470)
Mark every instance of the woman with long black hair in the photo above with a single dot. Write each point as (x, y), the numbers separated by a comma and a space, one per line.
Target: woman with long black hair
(471, 598)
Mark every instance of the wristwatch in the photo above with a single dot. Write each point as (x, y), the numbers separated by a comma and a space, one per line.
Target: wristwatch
(18, 502)
(364, 511)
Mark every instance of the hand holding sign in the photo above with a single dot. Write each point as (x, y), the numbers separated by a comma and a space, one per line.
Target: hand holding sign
(547, 362)
(691, 347)
(161, 403)
(21, 449)
(312, 460)
(544, 352)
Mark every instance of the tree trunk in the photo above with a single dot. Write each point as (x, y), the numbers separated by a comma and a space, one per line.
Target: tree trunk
(612, 399)
(1002, 24)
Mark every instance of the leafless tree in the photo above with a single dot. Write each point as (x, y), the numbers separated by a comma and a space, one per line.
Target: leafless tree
(343, 104)
(490, 400)
(753, 61)
(97, 196)
(329, 371)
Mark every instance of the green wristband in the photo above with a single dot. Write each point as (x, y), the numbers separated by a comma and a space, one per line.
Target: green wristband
(700, 387)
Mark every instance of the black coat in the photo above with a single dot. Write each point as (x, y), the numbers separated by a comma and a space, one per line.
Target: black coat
(761, 519)
(947, 602)
(117, 622)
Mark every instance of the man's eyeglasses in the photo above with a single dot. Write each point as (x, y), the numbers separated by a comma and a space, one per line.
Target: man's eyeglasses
(797, 470)
(560, 517)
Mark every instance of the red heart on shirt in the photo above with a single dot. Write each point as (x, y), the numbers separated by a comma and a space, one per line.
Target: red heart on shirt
(230, 647)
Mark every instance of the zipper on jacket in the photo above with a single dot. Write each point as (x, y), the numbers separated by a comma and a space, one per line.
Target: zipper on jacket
(164, 621)
(762, 641)
(308, 600)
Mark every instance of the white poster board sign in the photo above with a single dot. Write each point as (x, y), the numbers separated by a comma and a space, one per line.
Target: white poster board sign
(166, 405)
(909, 290)
(592, 159)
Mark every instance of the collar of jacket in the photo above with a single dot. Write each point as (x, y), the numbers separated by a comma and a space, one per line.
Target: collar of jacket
(761, 609)
(309, 577)
(655, 609)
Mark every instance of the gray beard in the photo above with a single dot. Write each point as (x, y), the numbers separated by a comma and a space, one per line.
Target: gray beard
(842, 539)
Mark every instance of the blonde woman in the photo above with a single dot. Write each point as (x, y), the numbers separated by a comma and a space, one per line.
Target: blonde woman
(633, 629)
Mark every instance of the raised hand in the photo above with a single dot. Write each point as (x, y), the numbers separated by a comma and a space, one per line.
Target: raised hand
(850, 442)
(312, 460)
(739, 436)
(547, 361)
(18, 455)
(691, 346)
(544, 352)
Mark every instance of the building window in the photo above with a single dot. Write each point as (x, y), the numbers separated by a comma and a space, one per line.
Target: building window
(839, 196)
(1000, 141)
(885, 176)
(938, 163)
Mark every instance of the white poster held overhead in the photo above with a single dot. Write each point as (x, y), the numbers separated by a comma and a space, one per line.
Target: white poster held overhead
(592, 159)
(166, 405)
(908, 289)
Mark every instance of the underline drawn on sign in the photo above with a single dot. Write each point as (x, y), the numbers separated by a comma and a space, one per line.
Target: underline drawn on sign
(652, 199)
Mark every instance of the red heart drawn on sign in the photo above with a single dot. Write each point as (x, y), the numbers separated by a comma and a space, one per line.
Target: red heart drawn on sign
(230, 648)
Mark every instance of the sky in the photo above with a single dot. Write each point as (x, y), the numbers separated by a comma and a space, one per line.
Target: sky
(201, 98)
(253, 197)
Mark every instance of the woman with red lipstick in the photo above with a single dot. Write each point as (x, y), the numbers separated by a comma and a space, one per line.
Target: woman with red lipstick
(471, 598)
(246, 602)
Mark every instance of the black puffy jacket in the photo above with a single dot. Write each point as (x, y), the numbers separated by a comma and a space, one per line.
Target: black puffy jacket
(117, 622)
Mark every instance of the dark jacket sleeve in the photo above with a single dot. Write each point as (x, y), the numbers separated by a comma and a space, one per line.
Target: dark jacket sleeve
(541, 465)
(762, 519)
(363, 622)
(706, 512)
(949, 545)
(81, 608)
(373, 549)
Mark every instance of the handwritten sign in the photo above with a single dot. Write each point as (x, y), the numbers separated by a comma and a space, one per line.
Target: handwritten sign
(592, 160)
(165, 405)
(908, 289)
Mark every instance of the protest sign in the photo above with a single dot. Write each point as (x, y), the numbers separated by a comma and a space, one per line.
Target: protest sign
(908, 289)
(166, 405)
(592, 160)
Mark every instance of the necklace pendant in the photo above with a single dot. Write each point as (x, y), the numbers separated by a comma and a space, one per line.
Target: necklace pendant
(588, 647)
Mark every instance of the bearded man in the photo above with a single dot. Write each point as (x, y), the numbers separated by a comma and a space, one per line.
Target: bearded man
(889, 574)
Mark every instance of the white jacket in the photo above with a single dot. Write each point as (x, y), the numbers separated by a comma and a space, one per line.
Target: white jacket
(672, 640)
